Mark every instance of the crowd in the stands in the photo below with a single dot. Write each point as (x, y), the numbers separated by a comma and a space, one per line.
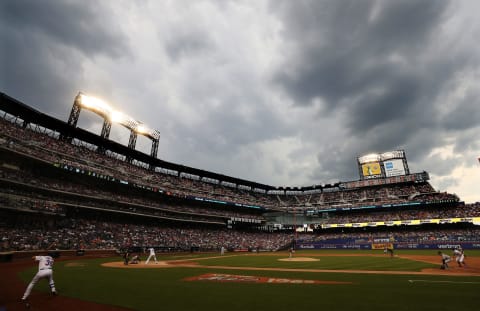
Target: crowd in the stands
(442, 212)
(78, 233)
(23, 190)
(48, 147)
(405, 236)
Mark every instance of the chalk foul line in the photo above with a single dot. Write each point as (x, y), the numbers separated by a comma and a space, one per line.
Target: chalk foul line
(432, 281)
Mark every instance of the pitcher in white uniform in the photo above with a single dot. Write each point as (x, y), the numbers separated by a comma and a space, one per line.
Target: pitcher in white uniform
(45, 266)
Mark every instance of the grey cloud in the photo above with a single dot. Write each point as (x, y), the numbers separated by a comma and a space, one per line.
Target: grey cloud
(391, 104)
(44, 45)
(339, 53)
(84, 25)
(463, 116)
(226, 130)
(32, 74)
(187, 43)
(376, 63)
(406, 26)
(370, 76)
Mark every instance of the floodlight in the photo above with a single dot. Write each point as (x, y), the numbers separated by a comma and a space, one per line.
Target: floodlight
(141, 129)
(372, 157)
(113, 116)
(95, 104)
(118, 117)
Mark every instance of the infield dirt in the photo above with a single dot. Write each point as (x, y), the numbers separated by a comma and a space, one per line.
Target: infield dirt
(473, 269)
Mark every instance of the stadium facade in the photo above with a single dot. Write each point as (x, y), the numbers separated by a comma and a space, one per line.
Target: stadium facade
(57, 173)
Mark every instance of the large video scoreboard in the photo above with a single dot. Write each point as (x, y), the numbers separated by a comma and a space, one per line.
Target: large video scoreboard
(381, 165)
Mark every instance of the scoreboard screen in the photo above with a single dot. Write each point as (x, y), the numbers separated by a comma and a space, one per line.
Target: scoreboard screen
(394, 168)
(383, 165)
(371, 170)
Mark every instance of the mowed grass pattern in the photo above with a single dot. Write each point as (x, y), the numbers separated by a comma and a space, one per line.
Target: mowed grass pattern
(165, 288)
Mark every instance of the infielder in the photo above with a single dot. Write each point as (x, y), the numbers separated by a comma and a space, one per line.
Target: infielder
(152, 254)
(445, 260)
(45, 265)
(459, 256)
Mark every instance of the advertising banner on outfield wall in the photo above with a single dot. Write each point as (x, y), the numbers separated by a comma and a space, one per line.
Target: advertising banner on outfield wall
(446, 245)
(409, 222)
(433, 246)
(382, 245)
(332, 246)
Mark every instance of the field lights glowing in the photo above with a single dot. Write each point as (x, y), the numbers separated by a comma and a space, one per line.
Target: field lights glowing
(117, 117)
(99, 106)
(142, 129)
(95, 104)
(121, 118)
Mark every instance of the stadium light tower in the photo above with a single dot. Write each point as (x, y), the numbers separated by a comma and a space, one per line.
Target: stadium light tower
(153, 135)
(110, 116)
(75, 112)
(95, 105)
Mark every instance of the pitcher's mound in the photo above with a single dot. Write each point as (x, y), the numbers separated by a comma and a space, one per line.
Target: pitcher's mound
(299, 259)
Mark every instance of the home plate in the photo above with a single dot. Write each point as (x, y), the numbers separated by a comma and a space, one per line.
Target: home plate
(299, 259)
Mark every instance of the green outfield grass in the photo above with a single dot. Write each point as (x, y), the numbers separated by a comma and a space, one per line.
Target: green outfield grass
(166, 289)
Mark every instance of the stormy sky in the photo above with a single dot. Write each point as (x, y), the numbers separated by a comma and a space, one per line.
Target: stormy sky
(281, 92)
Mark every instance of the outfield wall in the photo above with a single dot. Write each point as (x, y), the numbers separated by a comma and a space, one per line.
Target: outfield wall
(27, 255)
(337, 244)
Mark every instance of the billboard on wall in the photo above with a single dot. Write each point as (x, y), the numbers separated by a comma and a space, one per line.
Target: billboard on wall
(394, 168)
(370, 170)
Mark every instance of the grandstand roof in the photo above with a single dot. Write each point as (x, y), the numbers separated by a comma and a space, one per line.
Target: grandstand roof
(29, 115)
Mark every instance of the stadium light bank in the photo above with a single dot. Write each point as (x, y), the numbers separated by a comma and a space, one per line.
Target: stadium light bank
(115, 116)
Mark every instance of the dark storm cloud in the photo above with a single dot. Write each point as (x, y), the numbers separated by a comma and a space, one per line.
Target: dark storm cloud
(349, 77)
(376, 63)
(465, 115)
(83, 25)
(362, 55)
(226, 129)
(44, 44)
(391, 103)
(343, 48)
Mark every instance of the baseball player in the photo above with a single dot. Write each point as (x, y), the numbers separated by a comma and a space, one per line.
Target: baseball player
(152, 254)
(459, 256)
(126, 257)
(135, 259)
(290, 252)
(390, 250)
(45, 265)
(445, 260)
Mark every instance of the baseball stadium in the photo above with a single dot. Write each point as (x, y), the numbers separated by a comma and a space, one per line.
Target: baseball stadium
(129, 231)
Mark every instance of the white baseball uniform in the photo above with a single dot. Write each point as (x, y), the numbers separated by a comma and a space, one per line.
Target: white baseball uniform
(445, 260)
(45, 265)
(152, 254)
(459, 256)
